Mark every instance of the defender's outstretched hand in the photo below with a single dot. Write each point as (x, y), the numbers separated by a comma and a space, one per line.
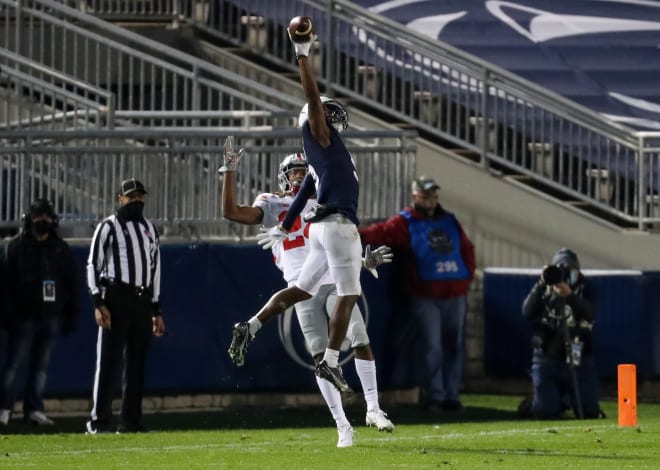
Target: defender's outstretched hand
(231, 158)
(268, 238)
(373, 259)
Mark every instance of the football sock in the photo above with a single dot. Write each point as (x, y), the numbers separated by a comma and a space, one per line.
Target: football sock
(332, 398)
(254, 325)
(331, 357)
(366, 371)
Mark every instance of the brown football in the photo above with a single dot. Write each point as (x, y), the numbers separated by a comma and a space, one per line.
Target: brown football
(300, 28)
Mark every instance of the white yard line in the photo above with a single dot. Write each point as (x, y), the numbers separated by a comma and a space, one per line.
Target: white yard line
(263, 446)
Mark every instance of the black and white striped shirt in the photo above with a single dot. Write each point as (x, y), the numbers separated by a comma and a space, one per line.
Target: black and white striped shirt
(127, 252)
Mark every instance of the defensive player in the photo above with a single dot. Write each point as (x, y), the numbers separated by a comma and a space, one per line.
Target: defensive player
(268, 209)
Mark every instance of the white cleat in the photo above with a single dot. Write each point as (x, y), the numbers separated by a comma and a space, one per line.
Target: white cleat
(379, 419)
(345, 436)
(38, 417)
(4, 417)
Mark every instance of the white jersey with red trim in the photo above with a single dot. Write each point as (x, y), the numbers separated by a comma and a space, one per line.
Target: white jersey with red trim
(291, 253)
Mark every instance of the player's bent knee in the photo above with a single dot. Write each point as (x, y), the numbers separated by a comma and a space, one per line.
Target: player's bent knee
(357, 334)
(364, 353)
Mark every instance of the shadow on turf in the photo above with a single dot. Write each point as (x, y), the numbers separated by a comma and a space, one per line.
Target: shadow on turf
(262, 418)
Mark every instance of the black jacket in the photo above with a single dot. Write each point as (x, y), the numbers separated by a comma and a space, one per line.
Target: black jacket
(29, 263)
(543, 308)
(3, 292)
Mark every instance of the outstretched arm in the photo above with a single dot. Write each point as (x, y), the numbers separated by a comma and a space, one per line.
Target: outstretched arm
(247, 215)
(393, 232)
(373, 259)
(307, 189)
(315, 111)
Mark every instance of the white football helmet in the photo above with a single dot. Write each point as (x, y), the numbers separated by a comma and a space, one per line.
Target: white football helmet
(334, 112)
(294, 161)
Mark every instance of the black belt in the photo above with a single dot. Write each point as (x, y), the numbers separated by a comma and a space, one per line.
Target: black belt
(319, 212)
(137, 290)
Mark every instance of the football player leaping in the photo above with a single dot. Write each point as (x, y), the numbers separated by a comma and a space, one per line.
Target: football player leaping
(269, 209)
(333, 237)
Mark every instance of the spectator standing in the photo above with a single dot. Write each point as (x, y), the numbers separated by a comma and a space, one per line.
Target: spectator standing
(439, 262)
(123, 277)
(41, 304)
(560, 309)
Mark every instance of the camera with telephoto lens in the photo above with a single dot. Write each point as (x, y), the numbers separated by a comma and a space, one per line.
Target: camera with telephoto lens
(556, 273)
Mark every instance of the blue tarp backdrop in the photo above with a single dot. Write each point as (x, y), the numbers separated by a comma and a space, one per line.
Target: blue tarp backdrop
(626, 330)
(208, 287)
(602, 55)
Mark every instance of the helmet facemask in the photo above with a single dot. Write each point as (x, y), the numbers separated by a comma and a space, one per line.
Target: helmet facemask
(295, 161)
(335, 114)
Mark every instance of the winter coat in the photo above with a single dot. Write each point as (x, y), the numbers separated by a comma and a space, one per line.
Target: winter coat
(30, 262)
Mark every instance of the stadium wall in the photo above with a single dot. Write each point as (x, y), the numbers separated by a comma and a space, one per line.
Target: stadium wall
(207, 287)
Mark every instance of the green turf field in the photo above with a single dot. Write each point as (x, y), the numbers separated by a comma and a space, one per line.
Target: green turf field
(486, 435)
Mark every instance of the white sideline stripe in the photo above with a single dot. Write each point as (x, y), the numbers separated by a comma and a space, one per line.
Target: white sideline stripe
(586, 272)
(510, 432)
(263, 446)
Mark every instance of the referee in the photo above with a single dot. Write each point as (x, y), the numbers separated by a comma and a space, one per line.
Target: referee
(123, 277)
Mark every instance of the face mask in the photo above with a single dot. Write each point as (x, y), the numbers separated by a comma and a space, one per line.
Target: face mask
(131, 211)
(42, 227)
(424, 210)
(573, 278)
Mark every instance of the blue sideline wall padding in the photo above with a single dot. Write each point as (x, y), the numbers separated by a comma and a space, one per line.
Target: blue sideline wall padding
(507, 349)
(206, 288)
(627, 321)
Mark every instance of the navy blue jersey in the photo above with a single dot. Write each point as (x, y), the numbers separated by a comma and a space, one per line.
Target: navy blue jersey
(332, 175)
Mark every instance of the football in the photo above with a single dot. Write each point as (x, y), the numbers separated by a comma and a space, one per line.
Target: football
(300, 28)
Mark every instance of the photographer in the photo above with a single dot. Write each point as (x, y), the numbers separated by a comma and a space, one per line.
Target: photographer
(562, 315)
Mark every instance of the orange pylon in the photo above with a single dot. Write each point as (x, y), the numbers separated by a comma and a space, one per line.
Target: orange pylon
(627, 374)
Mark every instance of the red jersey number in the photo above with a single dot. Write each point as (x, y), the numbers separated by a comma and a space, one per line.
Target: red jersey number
(299, 240)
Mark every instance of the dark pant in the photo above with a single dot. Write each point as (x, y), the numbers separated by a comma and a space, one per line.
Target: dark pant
(122, 348)
(442, 329)
(31, 339)
(554, 390)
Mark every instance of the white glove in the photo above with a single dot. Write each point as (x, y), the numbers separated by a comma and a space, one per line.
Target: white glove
(373, 259)
(231, 158)
(302, 48)
(269, 237)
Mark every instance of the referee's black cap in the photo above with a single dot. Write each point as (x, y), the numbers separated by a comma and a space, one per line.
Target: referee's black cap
(131, 185)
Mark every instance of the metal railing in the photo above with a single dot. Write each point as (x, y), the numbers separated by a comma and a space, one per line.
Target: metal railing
(504, 121)
(36, 97)
(178, 97)
(140, 10)
(227, 120)
(80, 172)
(144, 75)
